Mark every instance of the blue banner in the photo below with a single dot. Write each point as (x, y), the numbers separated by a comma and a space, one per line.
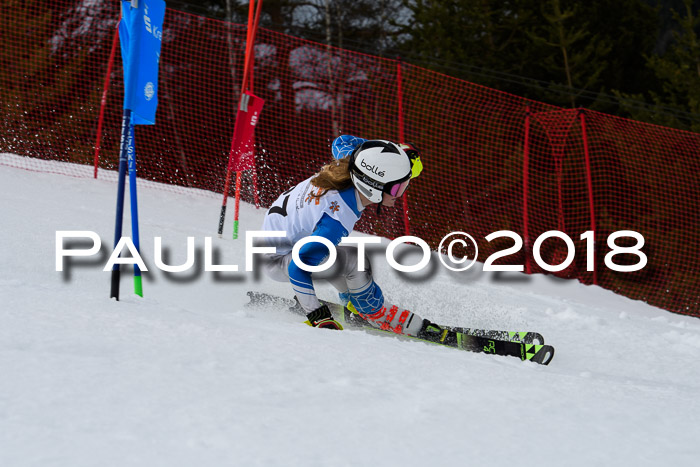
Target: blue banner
(140, 33)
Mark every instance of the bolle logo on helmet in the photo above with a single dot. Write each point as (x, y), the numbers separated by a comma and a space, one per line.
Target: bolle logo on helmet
(372, 168)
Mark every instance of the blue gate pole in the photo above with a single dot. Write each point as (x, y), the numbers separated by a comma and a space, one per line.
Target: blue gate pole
(123, 150)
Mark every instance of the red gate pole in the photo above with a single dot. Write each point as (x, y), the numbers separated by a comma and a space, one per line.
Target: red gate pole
(252, 26)
(589, 183)
(526, 173)
(247, 76)
(256, 197)
(399, 92)
(103, 102)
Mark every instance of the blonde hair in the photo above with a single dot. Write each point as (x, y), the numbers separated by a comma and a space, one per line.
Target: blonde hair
(333, 176)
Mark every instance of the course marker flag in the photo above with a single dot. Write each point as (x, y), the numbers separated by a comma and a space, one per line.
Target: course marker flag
(140, 34)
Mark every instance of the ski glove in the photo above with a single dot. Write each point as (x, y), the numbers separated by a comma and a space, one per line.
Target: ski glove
(322, 318)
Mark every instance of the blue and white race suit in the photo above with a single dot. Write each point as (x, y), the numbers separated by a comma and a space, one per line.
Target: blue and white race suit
(301, 213)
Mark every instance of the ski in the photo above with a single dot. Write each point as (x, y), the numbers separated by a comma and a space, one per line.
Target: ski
(527, 337)
(266, 299)
(538, 353)
(262, 298)
(515, 343)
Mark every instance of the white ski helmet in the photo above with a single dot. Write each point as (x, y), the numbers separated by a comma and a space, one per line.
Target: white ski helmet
(377, 167)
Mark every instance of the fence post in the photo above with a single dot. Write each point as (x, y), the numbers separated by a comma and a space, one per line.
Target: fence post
(103, 102)
(526, 164)
(589, 183)
(399, 97)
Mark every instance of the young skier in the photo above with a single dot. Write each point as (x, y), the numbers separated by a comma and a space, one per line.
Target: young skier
(328, 204)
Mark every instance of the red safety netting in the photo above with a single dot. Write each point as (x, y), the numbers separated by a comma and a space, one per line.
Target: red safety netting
(493, 161)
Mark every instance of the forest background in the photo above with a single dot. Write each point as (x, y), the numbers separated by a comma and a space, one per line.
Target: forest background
(637, 59)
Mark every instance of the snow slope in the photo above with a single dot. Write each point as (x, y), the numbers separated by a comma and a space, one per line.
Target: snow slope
(188, 376)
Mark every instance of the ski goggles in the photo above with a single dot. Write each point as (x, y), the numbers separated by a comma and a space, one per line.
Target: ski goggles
(396, 189)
